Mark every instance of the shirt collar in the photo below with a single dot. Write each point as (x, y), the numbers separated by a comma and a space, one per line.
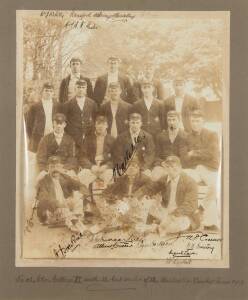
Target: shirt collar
(169, 179)
(58, 135)
(80, 99)
(97, 135)
(47, 101)
(75, 75)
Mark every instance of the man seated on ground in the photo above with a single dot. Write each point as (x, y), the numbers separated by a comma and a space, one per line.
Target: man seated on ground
(202, 161)
(57, 143)
(170, 142)
(56, 203)
(119, 205)
(95, 156)
(179, 206)
(134, 141)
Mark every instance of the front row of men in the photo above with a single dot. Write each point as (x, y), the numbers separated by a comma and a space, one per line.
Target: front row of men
(158, 168)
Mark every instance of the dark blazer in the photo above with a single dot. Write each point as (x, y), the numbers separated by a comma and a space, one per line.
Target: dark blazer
(102, 84)
(151, 119)
(48, 147)
(189, 104)
(45, 193)
(206, 149)
(120, 188)
(145, 149)
(186, 195)
(88, 151)
(79, 123)
(63, 90)
(158, 93)
(121, 115)
(36, 121)
(165, 148)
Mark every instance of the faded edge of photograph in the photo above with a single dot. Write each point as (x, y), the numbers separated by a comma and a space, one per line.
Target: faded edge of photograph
(122, 140)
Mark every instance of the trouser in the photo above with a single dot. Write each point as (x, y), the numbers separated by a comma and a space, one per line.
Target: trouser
(168, 222)
(212, 180)
(86, 176)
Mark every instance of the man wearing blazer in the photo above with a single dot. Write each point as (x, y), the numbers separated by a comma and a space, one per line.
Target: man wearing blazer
(134, 141)
(57, 143)
(202, 162)
(95, 156)
(158, 91)
(80, 114)
(55, 192)
(179, 206)
(116, 111)
(67, 86)
(150, 109)
(182, 103)
(39, 117)
(113, 75)
(170, 142)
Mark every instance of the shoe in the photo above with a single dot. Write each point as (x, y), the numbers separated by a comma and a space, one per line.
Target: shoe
(211, 228)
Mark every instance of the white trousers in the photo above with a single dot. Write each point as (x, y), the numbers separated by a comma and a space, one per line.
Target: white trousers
(209, 203)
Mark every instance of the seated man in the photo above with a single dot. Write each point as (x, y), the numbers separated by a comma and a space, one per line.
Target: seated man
(179, 207)
(95, 156)
(119, 205)
(202, 161)
(169, 142)
(57, 143)
(134, 141)
(55, 195)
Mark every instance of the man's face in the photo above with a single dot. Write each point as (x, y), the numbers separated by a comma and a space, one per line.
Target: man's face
(196, 123)
(179, 88)
(149, 72)
(59, 127)
(147, 90)
(47, 93)
(135, 125)
(101, 127)
(75, 66)
(54, 169)
(113, 65)
(173, 170)
(173, 122)
(80, 90)
(114, 93)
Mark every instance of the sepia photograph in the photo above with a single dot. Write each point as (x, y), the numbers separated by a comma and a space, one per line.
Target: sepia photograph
(122, 138)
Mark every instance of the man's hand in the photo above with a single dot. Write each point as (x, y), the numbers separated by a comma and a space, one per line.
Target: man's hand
(192, 153)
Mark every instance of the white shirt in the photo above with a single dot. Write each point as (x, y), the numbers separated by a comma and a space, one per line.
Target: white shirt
(48, 109)
(172, 201)
(173, 134)
(58, 138)
(148, 103)
(58, 191)
(179, 106)
(134, 137)
(112, 77)
(80, 102)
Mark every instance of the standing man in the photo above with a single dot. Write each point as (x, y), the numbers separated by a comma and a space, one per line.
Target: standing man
(116, 111)
(80, 113)
(150, 109)
(95, 156)
(178, 211)
(39, 117)
(134, 141)
(113, 75)
(67, 86)
(57, 143)
(182, 103)
(173, 141)
(158, 91)
(202, 161)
